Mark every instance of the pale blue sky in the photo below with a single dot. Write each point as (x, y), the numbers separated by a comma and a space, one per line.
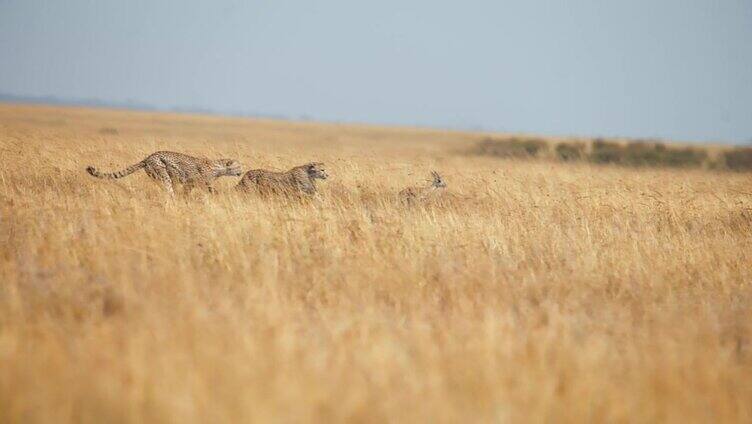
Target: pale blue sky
(644, 68)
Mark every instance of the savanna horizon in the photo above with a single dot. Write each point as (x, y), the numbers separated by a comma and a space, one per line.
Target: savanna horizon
(535, 291)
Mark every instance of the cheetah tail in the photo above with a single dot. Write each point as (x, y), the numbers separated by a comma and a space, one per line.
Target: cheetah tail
(119, 174)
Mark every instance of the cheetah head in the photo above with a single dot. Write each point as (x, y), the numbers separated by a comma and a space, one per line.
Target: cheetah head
(231, 167)
(316, 170)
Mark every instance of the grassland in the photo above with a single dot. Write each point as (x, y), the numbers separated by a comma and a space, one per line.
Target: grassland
(538, 291)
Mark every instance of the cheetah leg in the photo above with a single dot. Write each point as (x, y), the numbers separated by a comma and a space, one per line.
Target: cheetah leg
(187, 188)
(161, 176)
(176, 178)
(167, 183)
(309, 190)
(207, 184)
(202, 185)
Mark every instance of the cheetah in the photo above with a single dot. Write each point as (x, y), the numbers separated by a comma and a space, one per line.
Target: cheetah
(170, 168)
(412, 194)
(301, 179)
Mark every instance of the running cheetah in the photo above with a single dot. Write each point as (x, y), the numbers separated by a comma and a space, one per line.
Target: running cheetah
(436, 187)
(170, 168)
(301, 179)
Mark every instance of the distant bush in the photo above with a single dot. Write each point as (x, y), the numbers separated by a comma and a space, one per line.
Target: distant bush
(638, 153)
(646, 153)
(108, 131)
(606, 152)
(739, 159)
(658, 154)
(570, 151)
(686, 157)
(511, 148)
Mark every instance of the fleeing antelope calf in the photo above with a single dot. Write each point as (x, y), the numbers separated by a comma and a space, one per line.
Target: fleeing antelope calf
(436, 187)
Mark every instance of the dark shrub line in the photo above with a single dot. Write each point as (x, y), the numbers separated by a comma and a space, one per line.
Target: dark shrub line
(569, 152)
(739, 159)
(108, 131)
(638, 153)
(511, 148)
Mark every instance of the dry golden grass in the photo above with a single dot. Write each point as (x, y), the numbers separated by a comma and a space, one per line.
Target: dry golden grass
(536, 291)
